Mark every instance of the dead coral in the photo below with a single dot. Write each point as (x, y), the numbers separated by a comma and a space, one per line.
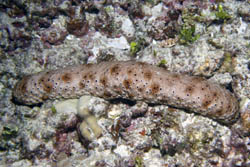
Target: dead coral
(78, 27)
(54, 36)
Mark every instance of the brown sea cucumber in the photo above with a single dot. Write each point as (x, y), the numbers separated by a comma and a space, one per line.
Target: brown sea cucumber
(131, 80)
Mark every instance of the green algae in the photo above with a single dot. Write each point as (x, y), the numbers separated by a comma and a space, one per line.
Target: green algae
(53, 110)
(187, 35)
(138, 161)
(162, 63)
(227, 65)
(221, 14)
(134, 48)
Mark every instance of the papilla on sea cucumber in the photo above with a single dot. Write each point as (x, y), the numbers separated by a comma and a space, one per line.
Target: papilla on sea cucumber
(131, 80)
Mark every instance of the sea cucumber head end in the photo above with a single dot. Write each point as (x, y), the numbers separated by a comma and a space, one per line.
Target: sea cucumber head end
(21, 93)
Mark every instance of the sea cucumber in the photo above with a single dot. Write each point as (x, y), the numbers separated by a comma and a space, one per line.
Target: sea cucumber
(131, 80)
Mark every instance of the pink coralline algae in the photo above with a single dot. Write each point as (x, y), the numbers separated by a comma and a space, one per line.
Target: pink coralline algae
(54, 36)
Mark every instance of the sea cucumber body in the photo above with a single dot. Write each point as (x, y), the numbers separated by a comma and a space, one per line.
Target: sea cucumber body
(131, 80)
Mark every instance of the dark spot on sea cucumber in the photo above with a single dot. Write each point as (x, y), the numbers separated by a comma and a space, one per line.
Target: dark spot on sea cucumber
(206, 103)
(189, 89)
(85, 76)
(41, 79)
(207, 85)
(66, 77)
(155, 88)
(130, 71)
(81, 85)
(176, 76)
(215, 94)
(91, 76)
(115, 70)
(148, 75)
(127, 83)
(140, 89)
(47, 87)
(103, 80)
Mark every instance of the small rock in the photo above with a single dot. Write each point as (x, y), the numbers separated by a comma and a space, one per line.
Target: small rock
(82, 106)
(68, 106)
(128, 28)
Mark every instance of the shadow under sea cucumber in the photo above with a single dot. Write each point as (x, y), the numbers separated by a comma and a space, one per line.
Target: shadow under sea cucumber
(134, 81)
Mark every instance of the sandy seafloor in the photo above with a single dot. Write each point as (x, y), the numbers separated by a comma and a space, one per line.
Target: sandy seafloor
(209, 38)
